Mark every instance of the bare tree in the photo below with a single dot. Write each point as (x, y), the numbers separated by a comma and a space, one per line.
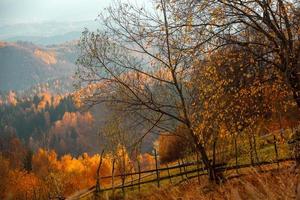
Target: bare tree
(141, 62)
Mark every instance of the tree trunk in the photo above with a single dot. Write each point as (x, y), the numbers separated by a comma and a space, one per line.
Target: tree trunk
(213, 177)
(210, 168)
(212, 174)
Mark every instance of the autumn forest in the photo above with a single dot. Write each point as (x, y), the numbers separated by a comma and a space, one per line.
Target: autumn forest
(166, 99)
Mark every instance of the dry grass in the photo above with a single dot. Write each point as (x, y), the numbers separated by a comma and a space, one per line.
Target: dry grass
(272, 185)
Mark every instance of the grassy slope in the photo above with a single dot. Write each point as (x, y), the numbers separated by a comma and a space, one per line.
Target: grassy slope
(274, 184)
(265, 153)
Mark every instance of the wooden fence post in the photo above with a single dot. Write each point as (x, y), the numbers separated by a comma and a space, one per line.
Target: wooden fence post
(113, 178)
(139, 169)
(179, 164)
(251, 149)
(123, 183)
(98, 188)
(157, 170)
(184, 168)
(170, 178)
(131, 176)
(255, 148)
(198, 167)
(123, 176)
(236, 154)
(276, 150)
(214, 154)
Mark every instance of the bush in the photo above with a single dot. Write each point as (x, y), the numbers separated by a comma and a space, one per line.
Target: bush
(172, 146)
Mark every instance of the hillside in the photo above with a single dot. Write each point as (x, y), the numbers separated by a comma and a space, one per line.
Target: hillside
(23, 65)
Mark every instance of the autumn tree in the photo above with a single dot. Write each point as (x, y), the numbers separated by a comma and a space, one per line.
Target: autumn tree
(236, 94)
(268, 30)
(140, 61)
(254, 46)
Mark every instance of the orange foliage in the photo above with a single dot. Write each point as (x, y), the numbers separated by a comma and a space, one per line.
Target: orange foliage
(46, 98)
(11, 98)
(147, 161)
(71, 132)
(43, 162)
(52, 177)
(70, 173)
(24, 185)
(47, 57)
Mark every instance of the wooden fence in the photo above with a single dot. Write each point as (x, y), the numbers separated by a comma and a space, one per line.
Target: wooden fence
(182, 171)
(154, 176)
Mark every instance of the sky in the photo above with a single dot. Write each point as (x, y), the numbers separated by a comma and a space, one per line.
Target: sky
(37, 11)
(20, 18)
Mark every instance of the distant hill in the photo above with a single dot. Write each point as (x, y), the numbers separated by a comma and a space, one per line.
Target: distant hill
(24, 65)
(48, 40)
(32, 32)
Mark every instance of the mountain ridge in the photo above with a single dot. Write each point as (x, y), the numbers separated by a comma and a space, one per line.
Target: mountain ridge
(25, 64)
(48, 40)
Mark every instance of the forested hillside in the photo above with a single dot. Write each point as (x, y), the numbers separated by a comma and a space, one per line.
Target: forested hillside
(25, 65)
(48, 121)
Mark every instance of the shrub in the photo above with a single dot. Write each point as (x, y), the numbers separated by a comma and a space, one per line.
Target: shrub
(172, 146)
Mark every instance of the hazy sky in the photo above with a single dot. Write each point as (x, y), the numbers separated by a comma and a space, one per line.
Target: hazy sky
(42, 17)
(31, 11)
